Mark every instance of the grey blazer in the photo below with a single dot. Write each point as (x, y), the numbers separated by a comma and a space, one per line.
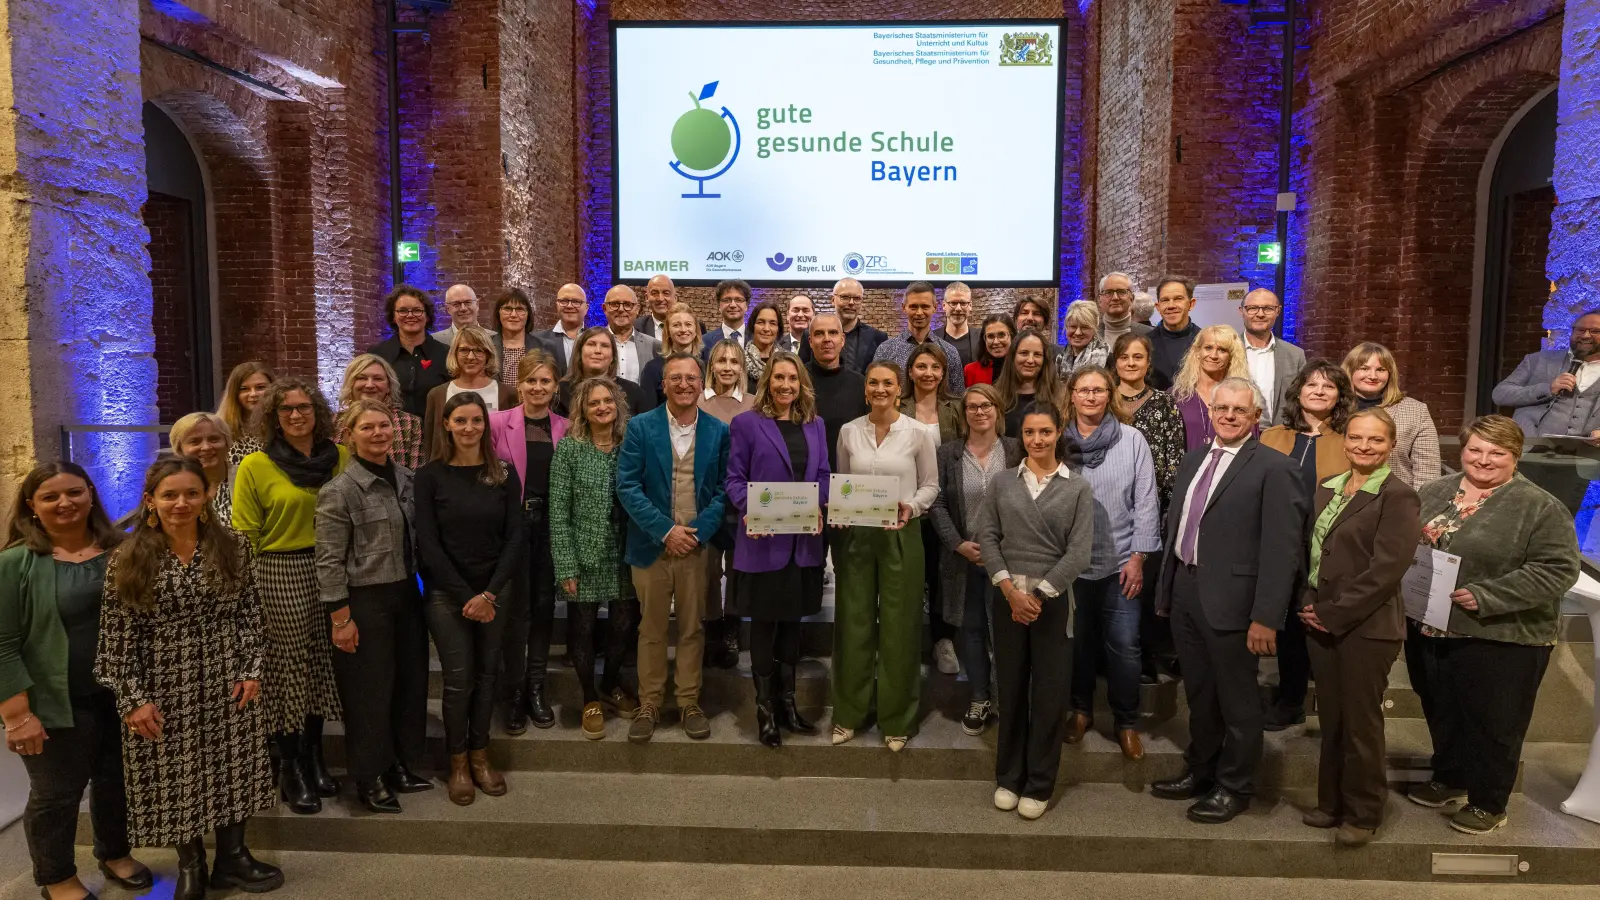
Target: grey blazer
(645, 346)
(362, 530)
(954, 523)
(1527, 391)
(1287, 361)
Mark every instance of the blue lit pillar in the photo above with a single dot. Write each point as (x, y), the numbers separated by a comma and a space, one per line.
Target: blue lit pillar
(1574, 262)
(77, 300)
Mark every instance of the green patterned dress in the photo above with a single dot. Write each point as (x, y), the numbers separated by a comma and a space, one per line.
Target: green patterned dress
(585, 532)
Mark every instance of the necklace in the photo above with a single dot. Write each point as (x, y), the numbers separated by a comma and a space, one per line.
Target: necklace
(1139, 396)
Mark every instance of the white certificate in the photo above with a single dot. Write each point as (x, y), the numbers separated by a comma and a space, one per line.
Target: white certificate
(782, 507)
(871, 500)
(1428, 585)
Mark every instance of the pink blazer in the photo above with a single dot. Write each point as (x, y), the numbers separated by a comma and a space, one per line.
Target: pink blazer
(510, 440)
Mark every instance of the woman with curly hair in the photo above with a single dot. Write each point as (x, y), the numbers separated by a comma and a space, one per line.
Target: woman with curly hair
(181, 647)
(274, 506)
(1217, 353)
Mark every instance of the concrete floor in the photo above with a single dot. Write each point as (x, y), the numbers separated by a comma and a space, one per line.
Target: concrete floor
(328, 875)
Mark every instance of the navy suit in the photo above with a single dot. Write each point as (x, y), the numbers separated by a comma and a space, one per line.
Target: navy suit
(717, 334)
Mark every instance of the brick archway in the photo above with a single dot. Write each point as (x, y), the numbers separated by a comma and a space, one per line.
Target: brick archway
(1446, 155)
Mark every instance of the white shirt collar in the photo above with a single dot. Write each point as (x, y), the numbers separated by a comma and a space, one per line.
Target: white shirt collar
(673, 423)
(1061, 470)
(1252, 348)
(1216, 444)
(737, 395)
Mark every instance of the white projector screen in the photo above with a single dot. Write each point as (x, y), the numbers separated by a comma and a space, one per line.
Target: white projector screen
(799, 153)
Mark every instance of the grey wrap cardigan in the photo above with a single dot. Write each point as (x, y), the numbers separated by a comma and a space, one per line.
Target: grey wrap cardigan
(954, 523)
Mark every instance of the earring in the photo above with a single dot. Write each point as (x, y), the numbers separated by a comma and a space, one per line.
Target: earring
(151, 519)
(205, 514)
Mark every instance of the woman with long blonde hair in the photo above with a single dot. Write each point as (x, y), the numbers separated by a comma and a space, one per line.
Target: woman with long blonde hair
(241, 397)
(1375, 377)
(1217, 353)
(682, 335)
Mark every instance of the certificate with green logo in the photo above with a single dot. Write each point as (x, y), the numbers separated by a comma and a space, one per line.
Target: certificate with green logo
(871, 500)
(782, 507)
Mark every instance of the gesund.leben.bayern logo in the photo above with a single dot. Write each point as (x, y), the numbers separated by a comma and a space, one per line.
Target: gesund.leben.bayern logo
(705, 142)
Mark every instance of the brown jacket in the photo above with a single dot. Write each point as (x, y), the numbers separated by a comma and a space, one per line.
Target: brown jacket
(1330, 451)
(1364, 556)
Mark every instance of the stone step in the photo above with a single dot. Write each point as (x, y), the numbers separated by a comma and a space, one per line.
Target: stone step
(833, 821)
(1564, 712)
(942, 751)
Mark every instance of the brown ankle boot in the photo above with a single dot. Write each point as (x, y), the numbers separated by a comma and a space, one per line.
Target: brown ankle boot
(460, 784)
(488, 780)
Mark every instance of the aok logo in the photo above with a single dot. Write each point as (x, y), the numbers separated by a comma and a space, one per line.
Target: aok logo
(725, 256)
(655, 265)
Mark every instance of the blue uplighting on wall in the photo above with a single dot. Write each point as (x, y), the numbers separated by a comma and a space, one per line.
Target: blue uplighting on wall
(594, 153)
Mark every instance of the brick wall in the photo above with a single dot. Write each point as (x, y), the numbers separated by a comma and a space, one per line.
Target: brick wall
(172, 308)
(1134, 147)
(1404, 100)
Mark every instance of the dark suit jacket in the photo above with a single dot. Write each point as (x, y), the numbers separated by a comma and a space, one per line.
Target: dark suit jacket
(1364, 556)
(555, 345)
(1249, 544)
(644, 482)
(717, 334)
(860, 346)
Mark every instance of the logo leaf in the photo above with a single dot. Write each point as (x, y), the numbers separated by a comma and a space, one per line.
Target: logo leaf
(708, 90)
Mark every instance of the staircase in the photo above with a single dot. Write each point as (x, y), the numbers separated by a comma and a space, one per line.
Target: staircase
(730, 800)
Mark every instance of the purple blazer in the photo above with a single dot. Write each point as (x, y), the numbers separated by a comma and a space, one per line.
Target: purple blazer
(757, 452)
(509, 438)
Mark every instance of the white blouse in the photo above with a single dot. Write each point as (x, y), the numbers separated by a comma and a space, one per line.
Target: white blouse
(907, 452)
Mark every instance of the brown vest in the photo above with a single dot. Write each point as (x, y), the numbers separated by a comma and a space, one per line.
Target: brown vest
(683, 501)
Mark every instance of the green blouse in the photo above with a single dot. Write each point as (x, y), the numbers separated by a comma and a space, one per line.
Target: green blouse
(1330, 513)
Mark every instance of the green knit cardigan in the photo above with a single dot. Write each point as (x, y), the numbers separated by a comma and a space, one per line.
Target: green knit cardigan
(1519, 556)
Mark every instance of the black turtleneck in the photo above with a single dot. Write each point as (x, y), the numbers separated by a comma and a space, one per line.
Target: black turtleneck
(385, 470)
(841, 397)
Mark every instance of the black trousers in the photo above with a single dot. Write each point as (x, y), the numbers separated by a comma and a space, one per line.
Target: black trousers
(530, 617)
(1219, 680)
(87, 754)
(469, 654)
(1294, 661)
(1155, 632)
(1482, 696)
(1032, 672)
(383, 685)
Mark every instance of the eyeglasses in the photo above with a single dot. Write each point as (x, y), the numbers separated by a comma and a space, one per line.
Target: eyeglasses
(1586, 331)
(471, 351)
(856, 297)
(620, 304)
(568, 301)
(980, 407)
(1091, 392)
(1116, 292)
(410, 311)
(1233, 410)
(461, 304)
(1259, 310)
(299, 409)
(523, 310)
(683, 379)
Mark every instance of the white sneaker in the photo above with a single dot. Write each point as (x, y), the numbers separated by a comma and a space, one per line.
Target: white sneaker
(1004, 800)
(944, 655)
(1031, 809)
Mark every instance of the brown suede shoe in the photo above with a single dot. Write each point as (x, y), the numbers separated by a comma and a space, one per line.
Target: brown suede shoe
(594, 722)
(1077, 725)
(1316, 818)
(1350, 836)
(459, 786)
(484, 776)
(1132, 747)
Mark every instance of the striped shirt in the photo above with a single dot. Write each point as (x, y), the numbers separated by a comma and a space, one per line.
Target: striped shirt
(1127, 509)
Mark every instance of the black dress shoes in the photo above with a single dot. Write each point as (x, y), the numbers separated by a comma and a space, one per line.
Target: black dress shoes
(539, 712)
(1184, 787)
(376, 796)
(516, 713)
(1219, 806)
(140, 881)
(402, 780)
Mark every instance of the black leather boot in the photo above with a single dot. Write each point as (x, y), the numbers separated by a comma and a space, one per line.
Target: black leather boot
(402, 780)
(191, 871)
(376, 796)
(730, 641)
(539, 712)
(317, 774)
(766, 719)
(516, 712)
(788, 714)
(292, 784)
(234, 867)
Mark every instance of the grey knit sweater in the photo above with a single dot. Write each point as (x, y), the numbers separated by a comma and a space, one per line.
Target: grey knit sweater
(1050, 538)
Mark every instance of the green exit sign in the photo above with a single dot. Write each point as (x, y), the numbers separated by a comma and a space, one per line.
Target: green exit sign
(408, 251)
(1269, 253)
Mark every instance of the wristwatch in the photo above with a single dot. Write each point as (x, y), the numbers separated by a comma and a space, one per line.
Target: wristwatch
(1039, 595)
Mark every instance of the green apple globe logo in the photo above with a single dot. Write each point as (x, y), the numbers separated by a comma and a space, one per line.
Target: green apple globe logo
(701, 140)
(766, 497)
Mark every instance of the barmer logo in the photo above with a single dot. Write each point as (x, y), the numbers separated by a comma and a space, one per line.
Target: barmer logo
(655, 265)
(701, 139)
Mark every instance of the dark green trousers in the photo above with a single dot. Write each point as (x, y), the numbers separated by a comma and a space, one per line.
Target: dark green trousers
(877, 629)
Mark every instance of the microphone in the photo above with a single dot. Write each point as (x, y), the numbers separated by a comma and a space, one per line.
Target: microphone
(1572, 369)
